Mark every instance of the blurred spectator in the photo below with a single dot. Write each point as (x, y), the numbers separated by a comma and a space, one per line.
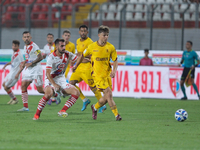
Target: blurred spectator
(146, 61)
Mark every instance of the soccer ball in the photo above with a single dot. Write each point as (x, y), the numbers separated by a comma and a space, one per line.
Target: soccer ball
(181, 115)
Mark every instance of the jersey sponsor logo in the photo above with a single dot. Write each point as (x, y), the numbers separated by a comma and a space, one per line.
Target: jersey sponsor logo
(95, 50)
(101, 59)
(27, 56)
(60, 66)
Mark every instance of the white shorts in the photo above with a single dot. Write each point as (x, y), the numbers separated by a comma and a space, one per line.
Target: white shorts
(33, 75)
(60, 81)
(10, 80)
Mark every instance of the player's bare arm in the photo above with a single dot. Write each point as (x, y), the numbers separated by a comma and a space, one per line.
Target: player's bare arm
(38, 59)
(114, 70)
(79, 60)
(48, 74)
(4, 67)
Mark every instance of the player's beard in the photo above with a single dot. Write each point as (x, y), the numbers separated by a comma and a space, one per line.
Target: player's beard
(27, 42)
(61, 51)
(83, 36)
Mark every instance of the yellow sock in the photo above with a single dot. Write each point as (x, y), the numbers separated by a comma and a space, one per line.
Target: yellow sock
(98, 94)
(81, 94)
(97, 105)
(114, 110)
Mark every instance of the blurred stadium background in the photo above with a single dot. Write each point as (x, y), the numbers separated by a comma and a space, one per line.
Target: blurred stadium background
(135, 24)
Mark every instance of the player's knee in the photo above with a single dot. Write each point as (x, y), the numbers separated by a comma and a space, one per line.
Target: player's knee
(40, 90)
(48, 95)
(76, 92)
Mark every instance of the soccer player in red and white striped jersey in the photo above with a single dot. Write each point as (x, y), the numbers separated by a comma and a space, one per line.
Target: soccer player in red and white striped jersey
(14, 75)
(55, 81)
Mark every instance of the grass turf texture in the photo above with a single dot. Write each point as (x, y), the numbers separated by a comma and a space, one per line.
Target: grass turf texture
(147, 124)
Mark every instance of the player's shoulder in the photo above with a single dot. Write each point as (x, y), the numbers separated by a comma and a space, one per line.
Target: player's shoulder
(93, 44)
(78, 40)
(89, 40)
(110, 45)
(71, 43)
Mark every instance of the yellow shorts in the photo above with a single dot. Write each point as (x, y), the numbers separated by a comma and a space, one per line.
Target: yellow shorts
(103, 83)
(83, 75)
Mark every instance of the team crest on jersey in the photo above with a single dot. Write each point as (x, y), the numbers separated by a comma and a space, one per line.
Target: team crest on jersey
(174, 80)
(60, 66)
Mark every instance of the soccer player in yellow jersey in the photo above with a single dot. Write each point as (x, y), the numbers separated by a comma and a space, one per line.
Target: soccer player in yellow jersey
(101, 52)
(83, 72)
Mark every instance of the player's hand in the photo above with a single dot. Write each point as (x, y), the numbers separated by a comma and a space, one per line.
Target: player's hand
(57, 87)
(192, 67)
(28, 64)
(179, 65)
(112, 74)
(74, 68)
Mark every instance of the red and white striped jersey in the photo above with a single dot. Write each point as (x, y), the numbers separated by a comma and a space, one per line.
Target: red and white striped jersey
(31, 52)
(59, 64)
(16, 59)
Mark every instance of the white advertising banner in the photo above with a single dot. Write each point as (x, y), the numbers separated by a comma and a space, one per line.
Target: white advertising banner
(132, 81)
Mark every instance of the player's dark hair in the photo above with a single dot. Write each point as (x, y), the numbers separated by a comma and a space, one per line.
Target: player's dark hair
(146, 50)
(25, 32)
(66, 31)
(83, 26)
(59, 40)
(50, 34)
(16, 42)
(104, 29)
(190, 42)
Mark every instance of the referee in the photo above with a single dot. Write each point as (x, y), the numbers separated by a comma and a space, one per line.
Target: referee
(189, 56)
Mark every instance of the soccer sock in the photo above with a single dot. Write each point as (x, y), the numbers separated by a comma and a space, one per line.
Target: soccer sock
(114, 110)
(195, 88)
(41, 105)
(25, 98)
(98, 94)
(71, 101)
(11, 94)
(81, 94)
(97, 105)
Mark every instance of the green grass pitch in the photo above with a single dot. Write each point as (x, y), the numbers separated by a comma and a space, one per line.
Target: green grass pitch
(147, 124)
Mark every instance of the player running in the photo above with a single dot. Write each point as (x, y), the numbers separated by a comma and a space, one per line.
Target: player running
(83, 72)
(101, 52)
(189, 56)
(14, 75)
(57, 63)
(33, 70)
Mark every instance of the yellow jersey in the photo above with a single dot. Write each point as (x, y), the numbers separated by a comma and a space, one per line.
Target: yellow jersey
(100, 58)
(81, 46)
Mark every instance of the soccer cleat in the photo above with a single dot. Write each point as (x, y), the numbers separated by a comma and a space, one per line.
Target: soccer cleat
(184, 98)
(62, 114)
(94, 112)
(85, 104)
(14, 102)
(10, 101)
(50, 101)
(58, 99)
(23, 109)
(36, 117)
(102, 109)
(118, 117)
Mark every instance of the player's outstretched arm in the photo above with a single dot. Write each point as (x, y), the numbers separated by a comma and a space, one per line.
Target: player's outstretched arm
(4, 67)
(114, 70)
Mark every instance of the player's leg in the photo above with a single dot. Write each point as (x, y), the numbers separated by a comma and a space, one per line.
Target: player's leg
(24, 86)
(183, 77)
(193, 84)
(74, 79)
(69, 89)
(42, 103)
(7, 84)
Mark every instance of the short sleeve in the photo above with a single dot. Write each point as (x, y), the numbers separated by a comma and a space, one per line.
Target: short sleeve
(113, 54)
(49, 62)
(196, 56)
(73, 56)
(87, 51)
